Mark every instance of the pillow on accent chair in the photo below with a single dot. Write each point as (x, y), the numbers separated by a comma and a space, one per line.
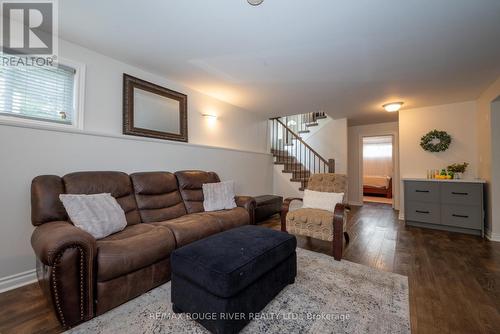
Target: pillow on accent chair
(98, 214)
(218, 196)
(321, 200)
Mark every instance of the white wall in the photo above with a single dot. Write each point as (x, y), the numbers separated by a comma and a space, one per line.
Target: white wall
(27, 152)
(330, 141)
(494, 184)
(485, 129)
(235, 127)
(355, 159)
(282, 185)
(458, 119)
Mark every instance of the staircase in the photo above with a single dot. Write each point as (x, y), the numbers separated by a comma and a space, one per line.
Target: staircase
(290, 150)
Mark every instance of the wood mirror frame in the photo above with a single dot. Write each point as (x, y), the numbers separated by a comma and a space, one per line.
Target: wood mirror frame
(131, 83)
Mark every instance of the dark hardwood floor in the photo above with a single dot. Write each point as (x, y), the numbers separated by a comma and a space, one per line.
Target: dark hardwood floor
(454, 279)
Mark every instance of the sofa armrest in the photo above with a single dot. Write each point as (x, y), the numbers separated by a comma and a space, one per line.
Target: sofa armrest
(285, 207)
(65, 256)
(339, 215)
(49, 239)
(249, 204)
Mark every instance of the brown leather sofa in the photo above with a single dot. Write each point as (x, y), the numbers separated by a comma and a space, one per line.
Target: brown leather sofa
(83, 277)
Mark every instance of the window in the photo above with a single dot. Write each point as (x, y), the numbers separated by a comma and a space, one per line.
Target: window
(377, 147)
(41, 95)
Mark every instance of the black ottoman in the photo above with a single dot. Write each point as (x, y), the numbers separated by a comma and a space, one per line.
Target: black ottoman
(266, 206)
(222, 280)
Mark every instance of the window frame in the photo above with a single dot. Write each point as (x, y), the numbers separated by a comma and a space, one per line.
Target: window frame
(78, 101)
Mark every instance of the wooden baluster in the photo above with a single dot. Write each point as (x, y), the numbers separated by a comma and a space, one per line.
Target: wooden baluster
(331, 165)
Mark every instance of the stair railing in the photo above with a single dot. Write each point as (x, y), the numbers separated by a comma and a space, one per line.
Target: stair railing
(295, 153)
(300, 123)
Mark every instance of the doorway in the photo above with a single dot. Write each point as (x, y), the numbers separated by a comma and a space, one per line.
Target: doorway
(378, 169)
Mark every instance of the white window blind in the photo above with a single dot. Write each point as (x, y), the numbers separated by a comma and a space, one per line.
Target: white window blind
(39, 93)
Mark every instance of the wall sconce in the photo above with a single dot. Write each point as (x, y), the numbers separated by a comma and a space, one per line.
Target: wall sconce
(211, 119)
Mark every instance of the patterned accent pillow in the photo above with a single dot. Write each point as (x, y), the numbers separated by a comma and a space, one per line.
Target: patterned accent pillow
(98, 214)
(321, 200)
(218, 196)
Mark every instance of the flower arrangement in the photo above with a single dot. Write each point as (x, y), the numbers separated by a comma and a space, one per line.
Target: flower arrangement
(458, 168)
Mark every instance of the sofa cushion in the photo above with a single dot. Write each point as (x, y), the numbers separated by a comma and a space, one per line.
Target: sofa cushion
(118, 184)
(135, 247)
(45, 203)
(321, 200)
(228, 262)
(98, 214)
(228, 219)
(191, 227)
(157, 196)
(190, 186)
(218, 196)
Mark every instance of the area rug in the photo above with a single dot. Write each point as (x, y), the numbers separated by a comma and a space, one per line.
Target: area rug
(328, 297)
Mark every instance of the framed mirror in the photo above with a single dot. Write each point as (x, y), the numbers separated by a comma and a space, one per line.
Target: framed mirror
(153, 111)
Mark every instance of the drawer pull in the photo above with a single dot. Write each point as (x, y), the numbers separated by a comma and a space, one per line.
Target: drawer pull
(458, 193)
(422, 191)
(460, 216)
(419, 211)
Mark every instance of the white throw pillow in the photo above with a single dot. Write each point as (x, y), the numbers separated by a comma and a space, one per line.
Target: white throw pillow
(99, 214)
(321, 200)
(218, 196)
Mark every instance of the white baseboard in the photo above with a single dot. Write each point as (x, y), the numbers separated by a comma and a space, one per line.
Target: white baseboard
(492, 236)
(17, 280)
(401, 215)
(355, 203)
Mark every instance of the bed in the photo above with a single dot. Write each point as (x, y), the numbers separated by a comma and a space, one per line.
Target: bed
(377, 185)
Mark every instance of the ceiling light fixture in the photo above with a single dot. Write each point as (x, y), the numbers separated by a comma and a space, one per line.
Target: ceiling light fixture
(393, 106)
(255, 2)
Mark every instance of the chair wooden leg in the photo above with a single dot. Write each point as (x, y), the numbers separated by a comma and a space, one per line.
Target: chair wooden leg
(337, 249)
(337, 245)
(346, 236)
(283, 222)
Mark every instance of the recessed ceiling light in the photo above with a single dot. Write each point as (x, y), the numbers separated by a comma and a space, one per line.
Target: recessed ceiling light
(393, 106)
(255, 2)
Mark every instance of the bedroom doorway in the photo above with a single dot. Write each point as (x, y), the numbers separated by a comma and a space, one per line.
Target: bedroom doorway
(378, 169)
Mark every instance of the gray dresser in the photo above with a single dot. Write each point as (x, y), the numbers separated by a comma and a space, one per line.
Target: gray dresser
(454, 205)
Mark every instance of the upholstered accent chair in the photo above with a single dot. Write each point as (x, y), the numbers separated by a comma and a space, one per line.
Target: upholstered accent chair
(317, 223)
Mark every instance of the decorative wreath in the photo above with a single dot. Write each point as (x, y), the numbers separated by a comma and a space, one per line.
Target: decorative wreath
(436, 141)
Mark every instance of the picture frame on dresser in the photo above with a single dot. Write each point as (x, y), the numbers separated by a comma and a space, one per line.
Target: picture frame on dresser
(449, 205)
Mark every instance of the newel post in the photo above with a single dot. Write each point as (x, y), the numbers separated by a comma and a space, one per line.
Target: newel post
(331, 165)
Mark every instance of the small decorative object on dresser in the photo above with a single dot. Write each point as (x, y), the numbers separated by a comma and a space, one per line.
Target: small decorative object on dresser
(457, 169)
(450, 205)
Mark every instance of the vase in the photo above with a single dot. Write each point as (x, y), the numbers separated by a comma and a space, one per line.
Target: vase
(457, 176)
